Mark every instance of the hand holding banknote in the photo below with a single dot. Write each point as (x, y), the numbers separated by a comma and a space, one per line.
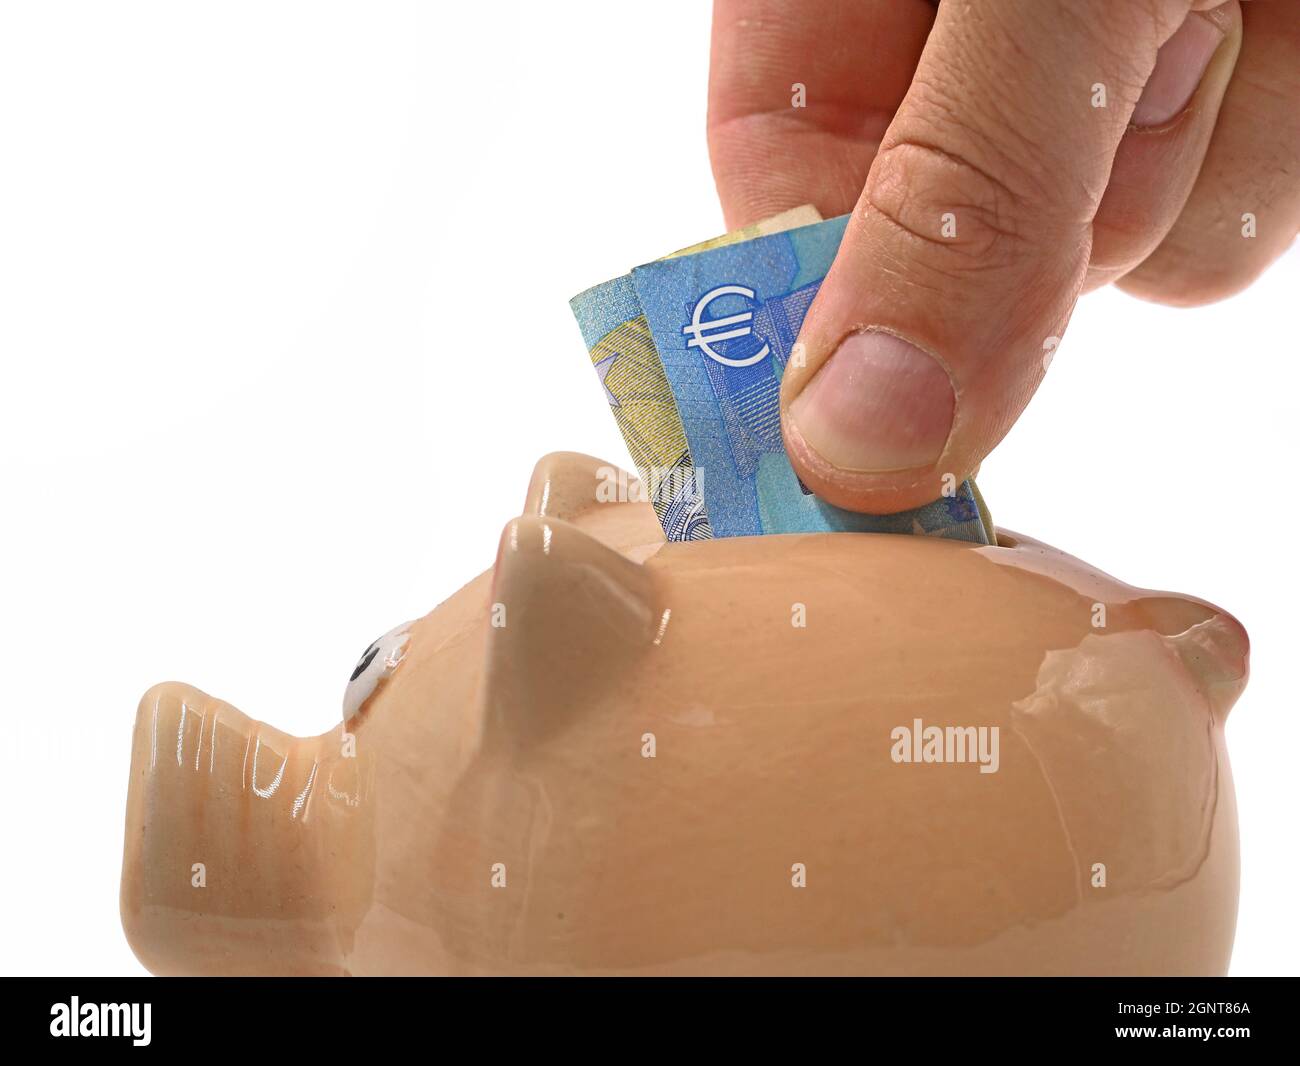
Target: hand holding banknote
(690, 351)
(999, 157)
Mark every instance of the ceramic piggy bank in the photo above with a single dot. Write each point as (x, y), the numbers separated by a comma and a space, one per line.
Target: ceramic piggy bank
(806, 754)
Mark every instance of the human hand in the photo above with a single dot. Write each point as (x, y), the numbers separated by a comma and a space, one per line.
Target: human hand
(999, 157)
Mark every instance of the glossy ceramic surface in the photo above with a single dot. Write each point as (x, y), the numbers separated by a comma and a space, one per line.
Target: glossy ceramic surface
(616, 755)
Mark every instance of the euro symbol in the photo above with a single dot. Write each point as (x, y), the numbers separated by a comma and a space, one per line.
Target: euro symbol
(723, 329)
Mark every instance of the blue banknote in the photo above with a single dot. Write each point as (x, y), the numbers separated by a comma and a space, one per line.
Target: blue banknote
(626, 361)
(724, 322)
(632, 378)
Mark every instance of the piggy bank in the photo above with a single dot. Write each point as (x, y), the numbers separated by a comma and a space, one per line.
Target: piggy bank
(833, 753)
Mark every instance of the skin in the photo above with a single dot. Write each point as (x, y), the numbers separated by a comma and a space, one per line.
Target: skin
(987, 111)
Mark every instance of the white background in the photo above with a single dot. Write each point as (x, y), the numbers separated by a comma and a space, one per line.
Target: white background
(284, 325)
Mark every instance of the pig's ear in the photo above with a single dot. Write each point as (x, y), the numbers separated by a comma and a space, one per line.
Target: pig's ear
(570, 619)
(599, 497)
(1211, 643)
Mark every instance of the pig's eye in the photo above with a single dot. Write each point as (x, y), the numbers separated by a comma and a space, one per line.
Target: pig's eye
(376, 663)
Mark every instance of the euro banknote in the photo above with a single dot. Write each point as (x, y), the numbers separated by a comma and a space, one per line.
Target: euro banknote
(623, 353)
(691, 350)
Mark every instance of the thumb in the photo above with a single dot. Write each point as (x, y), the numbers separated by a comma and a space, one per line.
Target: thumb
(969, 245)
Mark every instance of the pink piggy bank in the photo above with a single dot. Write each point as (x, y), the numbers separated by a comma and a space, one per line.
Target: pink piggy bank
(807, 754)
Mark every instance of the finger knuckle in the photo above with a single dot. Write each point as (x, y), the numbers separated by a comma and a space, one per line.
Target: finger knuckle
(946, 204)
(1185, 280)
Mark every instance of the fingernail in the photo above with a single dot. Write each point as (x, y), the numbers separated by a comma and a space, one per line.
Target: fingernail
(877, 404)
(1180, 64)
